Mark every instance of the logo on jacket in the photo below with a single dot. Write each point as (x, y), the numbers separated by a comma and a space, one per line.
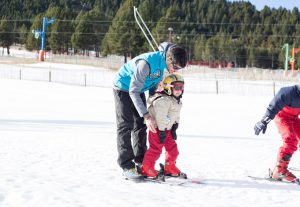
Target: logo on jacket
(154, 75)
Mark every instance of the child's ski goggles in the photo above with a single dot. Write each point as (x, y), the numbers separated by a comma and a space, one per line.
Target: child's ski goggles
(178, 86)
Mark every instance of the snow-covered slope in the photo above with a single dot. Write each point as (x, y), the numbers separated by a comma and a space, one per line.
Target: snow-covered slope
(58, 148)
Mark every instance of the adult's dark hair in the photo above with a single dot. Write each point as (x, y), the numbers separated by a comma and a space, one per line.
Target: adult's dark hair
(179, 56)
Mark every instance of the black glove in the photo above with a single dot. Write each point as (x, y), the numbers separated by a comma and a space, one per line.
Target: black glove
(162, 136)
(173, 131)
(261, 125)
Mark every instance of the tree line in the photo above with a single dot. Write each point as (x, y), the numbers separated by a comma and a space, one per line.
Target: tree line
(212, 31)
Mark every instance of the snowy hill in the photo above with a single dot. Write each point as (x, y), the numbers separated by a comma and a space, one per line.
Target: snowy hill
(58, 148)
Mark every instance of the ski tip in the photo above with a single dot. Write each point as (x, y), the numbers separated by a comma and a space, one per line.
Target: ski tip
(297, 181)
(270, 173)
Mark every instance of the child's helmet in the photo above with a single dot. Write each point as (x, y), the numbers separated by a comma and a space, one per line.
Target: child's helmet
(170, 80)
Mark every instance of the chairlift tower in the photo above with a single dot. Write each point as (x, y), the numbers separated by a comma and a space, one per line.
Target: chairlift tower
(290, 59)
(38, 33)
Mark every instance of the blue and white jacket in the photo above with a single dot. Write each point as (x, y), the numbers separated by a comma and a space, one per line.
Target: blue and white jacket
(156, 63)
(141, 74)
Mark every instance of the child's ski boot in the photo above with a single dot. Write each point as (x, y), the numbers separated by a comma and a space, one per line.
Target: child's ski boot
(173, 171)
(148, 172)
(281, 171)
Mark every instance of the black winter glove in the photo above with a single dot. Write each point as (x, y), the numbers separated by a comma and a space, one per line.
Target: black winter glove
(261, 125)
(173, 131)
(162, 136)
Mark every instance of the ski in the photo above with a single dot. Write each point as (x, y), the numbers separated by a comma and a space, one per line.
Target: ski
(270, 179)
(294, 168)
(172, 181)
(297, 182)
(181, 180)
(147, 180)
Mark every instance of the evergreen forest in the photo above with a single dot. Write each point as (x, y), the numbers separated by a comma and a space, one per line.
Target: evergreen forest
(212, 31)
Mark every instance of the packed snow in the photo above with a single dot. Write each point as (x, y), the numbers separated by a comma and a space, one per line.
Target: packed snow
(58, 148)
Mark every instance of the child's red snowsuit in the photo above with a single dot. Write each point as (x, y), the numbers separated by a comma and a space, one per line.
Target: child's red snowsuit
(166, 112)
(288, 125)
(285, 107)
(155, 149)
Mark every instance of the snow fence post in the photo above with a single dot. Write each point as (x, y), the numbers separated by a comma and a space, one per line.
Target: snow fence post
(217, 86)
(85, 79)
(273, 88)
(20, 74)
(49, 75)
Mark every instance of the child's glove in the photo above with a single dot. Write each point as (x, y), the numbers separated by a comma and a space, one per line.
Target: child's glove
(162, 136)
(173, 131)
(261, 125)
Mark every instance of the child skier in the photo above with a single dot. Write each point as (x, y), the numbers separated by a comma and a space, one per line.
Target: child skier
(285, 107)
(165, 107)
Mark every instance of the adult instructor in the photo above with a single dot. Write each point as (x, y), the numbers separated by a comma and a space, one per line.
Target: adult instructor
(142, 73)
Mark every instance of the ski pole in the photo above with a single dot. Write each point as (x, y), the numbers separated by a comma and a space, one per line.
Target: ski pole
(136, 16)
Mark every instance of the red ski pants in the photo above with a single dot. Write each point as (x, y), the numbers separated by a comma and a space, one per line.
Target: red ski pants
(155, 149)
(289, 129)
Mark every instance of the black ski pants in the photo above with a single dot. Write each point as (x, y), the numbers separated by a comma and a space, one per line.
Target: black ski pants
(131, 131)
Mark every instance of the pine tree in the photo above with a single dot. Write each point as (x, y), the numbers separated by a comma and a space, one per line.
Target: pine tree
(32, 43)
(23, 32)
(81, 37)
(6, 34)
(123, 37)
